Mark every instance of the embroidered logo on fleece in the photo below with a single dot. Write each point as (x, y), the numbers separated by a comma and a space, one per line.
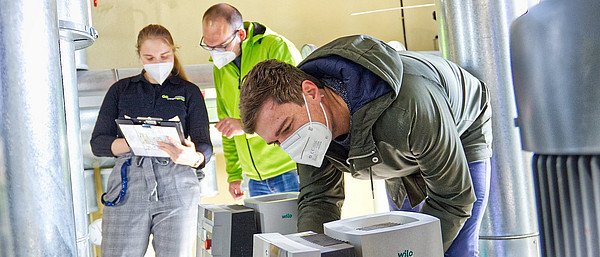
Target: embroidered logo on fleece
(181, 98)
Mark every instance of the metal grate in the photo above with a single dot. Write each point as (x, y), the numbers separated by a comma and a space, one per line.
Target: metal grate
(378, 226)
(568, 201)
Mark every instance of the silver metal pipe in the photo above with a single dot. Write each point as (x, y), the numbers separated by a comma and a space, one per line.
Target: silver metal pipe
(474, 34)
(36, 209)
(71, 98)
(531, 3)
(75, 11)
(75, 34)
(81, 60)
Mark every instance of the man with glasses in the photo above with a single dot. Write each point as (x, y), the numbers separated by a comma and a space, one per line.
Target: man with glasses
(235, 47)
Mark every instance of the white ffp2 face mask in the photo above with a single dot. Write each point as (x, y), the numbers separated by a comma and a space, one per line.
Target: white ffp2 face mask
(159, 71)
(309, 143)
(222, 58)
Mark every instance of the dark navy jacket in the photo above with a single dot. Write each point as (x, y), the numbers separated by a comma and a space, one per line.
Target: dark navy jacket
(136, 97)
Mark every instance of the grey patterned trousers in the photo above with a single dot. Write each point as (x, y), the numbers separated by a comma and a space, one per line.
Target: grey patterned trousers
(162, 199)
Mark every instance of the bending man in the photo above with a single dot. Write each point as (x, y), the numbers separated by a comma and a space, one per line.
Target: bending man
(356, 105)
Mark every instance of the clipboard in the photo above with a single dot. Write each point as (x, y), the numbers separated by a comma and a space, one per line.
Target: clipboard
(143, 134)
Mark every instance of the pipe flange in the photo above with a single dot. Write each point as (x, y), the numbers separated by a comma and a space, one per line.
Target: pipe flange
(81, 35)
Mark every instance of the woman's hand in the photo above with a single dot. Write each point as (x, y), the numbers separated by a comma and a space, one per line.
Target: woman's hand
(119, 146)
(182, 154)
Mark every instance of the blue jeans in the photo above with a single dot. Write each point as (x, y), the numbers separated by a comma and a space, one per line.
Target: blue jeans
(466, 243)
(286, 182)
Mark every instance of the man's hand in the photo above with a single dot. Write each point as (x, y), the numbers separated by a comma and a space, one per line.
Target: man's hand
(235, 189)
(182, 154)
(230, 127)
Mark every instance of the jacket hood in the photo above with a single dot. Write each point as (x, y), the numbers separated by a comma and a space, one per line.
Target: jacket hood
(386, 65)
(357, 85)
(368, 52)
(256, 32)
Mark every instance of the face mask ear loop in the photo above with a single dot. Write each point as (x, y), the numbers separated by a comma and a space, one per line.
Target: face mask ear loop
(326, 120)
(306, 104)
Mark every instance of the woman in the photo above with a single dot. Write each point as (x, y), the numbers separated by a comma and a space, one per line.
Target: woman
(157, 195)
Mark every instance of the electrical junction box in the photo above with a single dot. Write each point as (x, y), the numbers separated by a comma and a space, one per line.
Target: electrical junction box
(397, 233)
(225, 231)
(276, 213)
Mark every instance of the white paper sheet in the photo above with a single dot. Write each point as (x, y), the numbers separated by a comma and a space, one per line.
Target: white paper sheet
(143, 140)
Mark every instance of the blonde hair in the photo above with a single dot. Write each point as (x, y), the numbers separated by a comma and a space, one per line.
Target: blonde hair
(158, 31)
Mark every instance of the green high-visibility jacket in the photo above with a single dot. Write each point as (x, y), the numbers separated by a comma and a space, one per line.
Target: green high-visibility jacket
(249, 153)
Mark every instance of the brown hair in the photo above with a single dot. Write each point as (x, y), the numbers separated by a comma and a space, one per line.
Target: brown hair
(224, 11)
(270, 79)
(158, 31)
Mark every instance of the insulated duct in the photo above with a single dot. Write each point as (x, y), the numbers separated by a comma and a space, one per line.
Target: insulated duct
(75, 34)
(555, 51)
(36, 208)
(474, 34)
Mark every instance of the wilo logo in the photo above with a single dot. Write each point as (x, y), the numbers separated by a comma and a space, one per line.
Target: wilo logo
(406, 253)
(287, 216)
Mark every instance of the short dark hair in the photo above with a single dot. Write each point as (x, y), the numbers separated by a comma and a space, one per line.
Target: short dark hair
(224, 11)
(270, 79)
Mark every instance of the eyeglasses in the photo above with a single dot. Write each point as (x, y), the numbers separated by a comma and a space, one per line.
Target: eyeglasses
(218, 48)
